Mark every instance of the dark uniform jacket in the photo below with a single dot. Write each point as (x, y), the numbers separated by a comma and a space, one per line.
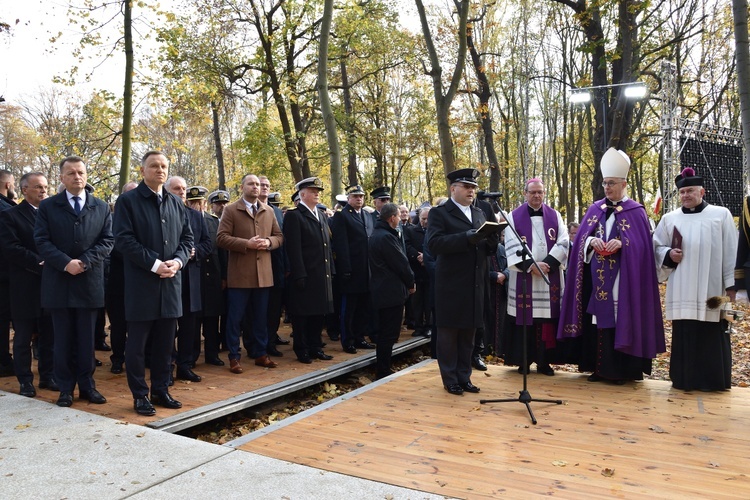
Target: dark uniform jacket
(392, 277)
(62, 236)
(414, 239)
(191, 271)
(213, 271)
(350, 250)
(24, 262)
(5, 204)
(461, 268)
(308, 248)
(144, 232)
(279, 262)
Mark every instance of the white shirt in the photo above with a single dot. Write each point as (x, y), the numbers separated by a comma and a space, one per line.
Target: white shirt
(465, 209)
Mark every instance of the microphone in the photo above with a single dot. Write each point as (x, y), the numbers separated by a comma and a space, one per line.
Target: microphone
(483, 195)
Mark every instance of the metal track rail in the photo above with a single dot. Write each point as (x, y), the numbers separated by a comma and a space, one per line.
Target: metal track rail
(220, 409)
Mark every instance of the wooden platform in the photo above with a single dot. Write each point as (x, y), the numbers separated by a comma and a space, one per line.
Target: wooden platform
(220, 392)
(640, 440)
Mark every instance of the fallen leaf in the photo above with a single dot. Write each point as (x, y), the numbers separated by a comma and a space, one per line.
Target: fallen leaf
(559, 463)
(140, 435)
(21, 427)
(607, 472)
(658, 429)
(713, 464)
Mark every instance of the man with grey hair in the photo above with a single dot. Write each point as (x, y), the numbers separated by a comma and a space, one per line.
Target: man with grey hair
(188, 329)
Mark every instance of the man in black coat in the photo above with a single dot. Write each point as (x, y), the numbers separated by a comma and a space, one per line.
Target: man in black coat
(154, 237)
(73, 234)
(7, 200)
(188, 327)
(414, 236)
(391, 284)
(25, 272)
(350, 229)
(460, 278)
(307, 239)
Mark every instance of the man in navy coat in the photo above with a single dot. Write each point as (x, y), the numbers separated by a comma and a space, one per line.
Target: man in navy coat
(73, 234)
(154, 237)
(25, 271)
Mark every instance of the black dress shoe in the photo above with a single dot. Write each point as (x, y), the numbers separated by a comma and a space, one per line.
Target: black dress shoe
(93, 396)
(144, 407)
(97, 362)
(27, 389)
(521, 370)
(363, 344)
(188, 374)
(545, 370)
(322, 356)
(102, 346)
(166, 400)
(469, 387)
(454, 389)
(272, 351)
(594, 378)
(216, 361)
(304, 359)
(478, 363)
(350, 349)
(280, 341)
(335, 337)
(49, 384)
(65, 400)
(116, 367)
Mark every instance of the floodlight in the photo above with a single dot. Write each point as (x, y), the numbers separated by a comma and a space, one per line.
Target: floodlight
(580, 97)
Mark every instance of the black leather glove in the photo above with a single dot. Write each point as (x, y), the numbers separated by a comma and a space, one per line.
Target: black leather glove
(300, 284)
(473, 237)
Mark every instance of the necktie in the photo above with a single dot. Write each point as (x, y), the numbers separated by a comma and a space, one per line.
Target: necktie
(158, 198)
(254, 209)
(77, 205)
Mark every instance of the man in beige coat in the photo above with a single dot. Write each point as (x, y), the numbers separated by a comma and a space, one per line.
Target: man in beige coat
(249, 231)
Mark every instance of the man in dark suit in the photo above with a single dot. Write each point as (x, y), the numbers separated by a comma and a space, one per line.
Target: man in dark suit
(114, 300)
(460, 278)
(7, 200)
(25, 272)
(188, 331)
(307, 239)
(73, 234)
(414, 238)
(350, 229)
(213, 271)
(279, 266)
(153, 234)
(392, 283)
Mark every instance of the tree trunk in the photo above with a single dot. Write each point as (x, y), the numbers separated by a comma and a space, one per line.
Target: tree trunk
(484, 93)
(739, 10)
(127, 96)
(217, 145)
(325, 101)
(351, 168)
(443, 100)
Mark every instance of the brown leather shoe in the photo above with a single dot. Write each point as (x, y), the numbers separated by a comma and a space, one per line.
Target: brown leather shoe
(234, 366)
(266, 362)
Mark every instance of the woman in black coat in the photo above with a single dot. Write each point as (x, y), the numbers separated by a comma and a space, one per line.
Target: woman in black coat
(390, 285)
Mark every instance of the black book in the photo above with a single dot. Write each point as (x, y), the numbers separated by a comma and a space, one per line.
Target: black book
(492, 227)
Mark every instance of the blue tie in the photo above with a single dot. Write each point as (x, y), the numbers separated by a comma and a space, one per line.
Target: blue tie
(77, 206)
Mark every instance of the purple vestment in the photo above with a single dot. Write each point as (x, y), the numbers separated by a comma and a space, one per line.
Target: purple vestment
(522, 223)
(639, 329)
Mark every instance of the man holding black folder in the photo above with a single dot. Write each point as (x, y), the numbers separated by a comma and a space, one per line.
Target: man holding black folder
(695, 248)
(460, 244)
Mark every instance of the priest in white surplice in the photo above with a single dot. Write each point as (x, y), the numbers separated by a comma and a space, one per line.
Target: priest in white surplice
(695, 247)
(543, 230)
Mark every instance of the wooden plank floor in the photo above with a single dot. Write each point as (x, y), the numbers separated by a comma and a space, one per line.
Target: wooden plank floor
(218, 383)
(409, 432)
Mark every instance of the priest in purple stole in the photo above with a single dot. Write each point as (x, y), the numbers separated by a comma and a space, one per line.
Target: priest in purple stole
(534, 306)
(611, 304)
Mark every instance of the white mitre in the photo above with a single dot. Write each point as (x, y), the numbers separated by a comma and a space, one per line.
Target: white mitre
(615, 163)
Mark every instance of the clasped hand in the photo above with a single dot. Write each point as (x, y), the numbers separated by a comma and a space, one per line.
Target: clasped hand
(610, 246)
(258, 243)
(168, 269)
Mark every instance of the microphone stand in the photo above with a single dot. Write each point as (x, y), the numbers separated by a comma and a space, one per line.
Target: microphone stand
(524, 396)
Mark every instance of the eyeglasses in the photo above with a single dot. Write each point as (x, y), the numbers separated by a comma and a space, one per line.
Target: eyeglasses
(611, 183)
